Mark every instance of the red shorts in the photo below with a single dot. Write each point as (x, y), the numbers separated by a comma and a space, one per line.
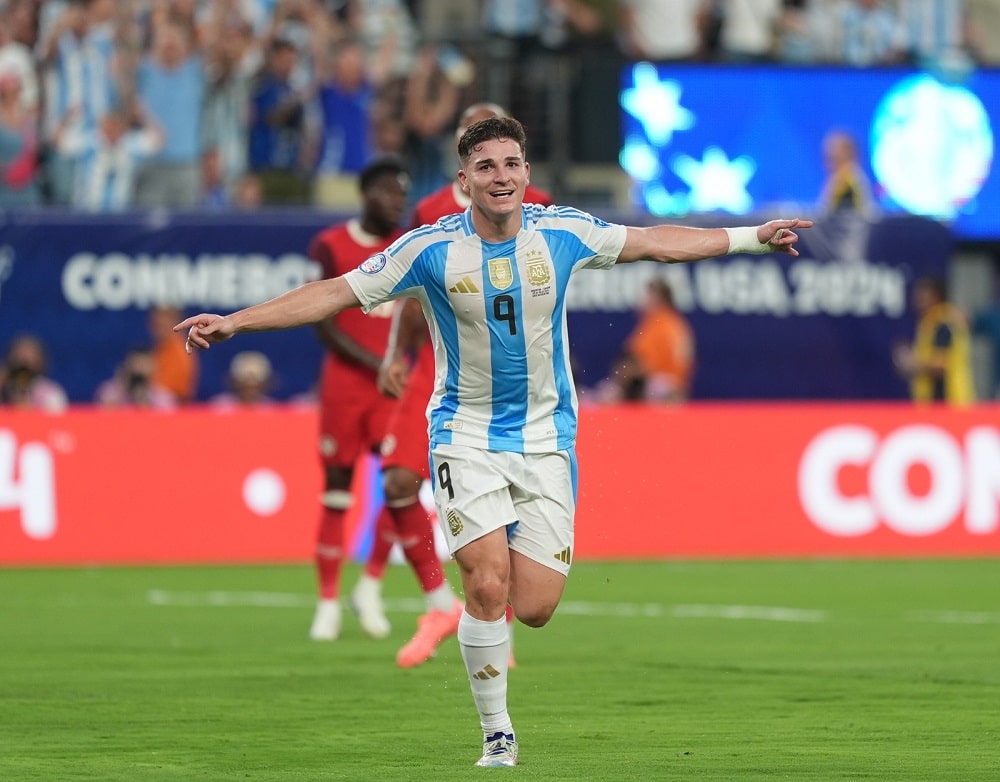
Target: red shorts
(406, 444)
(353, 418)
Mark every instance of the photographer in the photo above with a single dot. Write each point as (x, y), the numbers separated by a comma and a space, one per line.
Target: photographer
(22, 378)
(133, 386)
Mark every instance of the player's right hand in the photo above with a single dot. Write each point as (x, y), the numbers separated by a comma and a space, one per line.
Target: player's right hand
(393, 375)
(205, 330)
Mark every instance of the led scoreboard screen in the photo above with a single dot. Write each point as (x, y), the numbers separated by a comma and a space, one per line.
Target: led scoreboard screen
(728, 140)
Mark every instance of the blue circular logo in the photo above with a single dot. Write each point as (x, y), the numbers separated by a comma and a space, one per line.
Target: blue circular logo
(375, 264)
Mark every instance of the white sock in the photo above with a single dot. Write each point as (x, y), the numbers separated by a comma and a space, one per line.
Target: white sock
(368, 586)
(485, 649)
(441, 598)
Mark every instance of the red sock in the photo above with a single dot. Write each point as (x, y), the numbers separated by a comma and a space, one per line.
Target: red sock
(509, 613)
(385, 536)
(330, 552)
(417, 538)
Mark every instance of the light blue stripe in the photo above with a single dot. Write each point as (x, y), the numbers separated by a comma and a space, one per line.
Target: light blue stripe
(566, 250)
(432, 275)
(508, 357)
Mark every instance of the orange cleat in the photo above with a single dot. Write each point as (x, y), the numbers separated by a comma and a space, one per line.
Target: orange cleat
(432, 628)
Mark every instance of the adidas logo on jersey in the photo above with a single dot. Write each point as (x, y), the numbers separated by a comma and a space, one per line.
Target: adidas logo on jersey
(464, 285)
(564, 556)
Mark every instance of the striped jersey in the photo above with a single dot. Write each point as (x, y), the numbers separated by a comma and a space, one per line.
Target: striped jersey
(497, 316)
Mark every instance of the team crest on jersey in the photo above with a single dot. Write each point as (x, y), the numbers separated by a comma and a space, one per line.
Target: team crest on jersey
(538, 272)
(455, 525)
(375, 264)
(501, 273)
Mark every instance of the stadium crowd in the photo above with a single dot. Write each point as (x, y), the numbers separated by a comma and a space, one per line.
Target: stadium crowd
(108, 104)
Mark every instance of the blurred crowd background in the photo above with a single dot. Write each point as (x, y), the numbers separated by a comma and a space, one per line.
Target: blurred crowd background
(109, 104)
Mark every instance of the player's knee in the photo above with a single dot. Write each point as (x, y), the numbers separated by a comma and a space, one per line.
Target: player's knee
(338, 479)
(535, 615)
(400, 484)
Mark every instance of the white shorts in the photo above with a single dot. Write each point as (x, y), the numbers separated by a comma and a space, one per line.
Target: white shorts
(533, 495)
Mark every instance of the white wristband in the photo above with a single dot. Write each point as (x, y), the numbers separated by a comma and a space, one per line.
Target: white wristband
(744, 240)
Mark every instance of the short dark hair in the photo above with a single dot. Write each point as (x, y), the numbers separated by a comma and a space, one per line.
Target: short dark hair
(385, 165)
(499, 128)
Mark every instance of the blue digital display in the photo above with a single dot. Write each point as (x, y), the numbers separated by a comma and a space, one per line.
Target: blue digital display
(742, 140)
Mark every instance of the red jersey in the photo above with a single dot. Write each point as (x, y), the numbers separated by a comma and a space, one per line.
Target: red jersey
(338, 250)
(450, 199)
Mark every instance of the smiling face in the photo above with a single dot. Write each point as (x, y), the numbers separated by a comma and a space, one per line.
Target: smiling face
(494, 176)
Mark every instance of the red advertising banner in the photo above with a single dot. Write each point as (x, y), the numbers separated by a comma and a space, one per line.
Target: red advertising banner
(200, 485)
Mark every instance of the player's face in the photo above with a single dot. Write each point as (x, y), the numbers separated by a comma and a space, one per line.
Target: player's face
(495, 177)
(386, 200)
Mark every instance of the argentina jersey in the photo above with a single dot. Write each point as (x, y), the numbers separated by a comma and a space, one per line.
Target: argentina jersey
(497, 316)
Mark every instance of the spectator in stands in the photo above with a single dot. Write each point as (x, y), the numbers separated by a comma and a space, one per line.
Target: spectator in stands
(345, 98)
(747, 33)
(433, 92)
(171, 87)
(132, 384)
(664, 32)
(250, 380)
(175, 369)
(23, 382)
(280, 128)
(78, 60)
(16, 58)
(938, 363)
(18, 145)
(934, 33)
(107, 158)
(984, 31)
(231, 60)
(871, 34)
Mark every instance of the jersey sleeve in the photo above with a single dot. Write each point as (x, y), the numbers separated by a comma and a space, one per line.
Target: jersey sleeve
(595, 244)
(382, 277)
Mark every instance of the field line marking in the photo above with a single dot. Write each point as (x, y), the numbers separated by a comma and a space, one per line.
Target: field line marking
(225, 599)
(956, 617)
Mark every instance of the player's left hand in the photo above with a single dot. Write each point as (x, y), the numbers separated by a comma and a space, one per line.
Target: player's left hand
(779, 234)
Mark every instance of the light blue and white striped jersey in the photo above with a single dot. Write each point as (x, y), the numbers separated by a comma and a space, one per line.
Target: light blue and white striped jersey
(497, 315)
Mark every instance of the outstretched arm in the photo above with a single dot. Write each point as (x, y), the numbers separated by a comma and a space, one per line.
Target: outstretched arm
(300, 306)
(682, 244)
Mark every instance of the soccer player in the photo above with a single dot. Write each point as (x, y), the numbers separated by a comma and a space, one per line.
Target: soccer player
(353, 414)
(407, 373)
(492, 283)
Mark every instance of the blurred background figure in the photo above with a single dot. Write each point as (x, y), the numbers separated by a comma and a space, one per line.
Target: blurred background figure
(18, 144)
(175, 369)
(662, 344)
(23, 382)
(250, 380)
(847, 188)
(987, 324)
(938, 362)
(132, 384)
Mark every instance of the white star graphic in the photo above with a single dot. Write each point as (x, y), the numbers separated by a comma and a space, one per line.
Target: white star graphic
(656, 104)
(716, 182)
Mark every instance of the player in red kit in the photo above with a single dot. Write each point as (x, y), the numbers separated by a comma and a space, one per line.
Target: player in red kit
(408, 374)
(353, 413)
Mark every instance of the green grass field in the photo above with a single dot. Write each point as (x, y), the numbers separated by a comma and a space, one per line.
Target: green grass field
(822, 670)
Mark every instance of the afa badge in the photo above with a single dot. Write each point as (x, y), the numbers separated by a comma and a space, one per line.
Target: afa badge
(538, 273)
(375, 264)
(501, 273)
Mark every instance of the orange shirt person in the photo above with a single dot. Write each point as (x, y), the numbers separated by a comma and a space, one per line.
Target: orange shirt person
(663, 344)
(175, 370)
